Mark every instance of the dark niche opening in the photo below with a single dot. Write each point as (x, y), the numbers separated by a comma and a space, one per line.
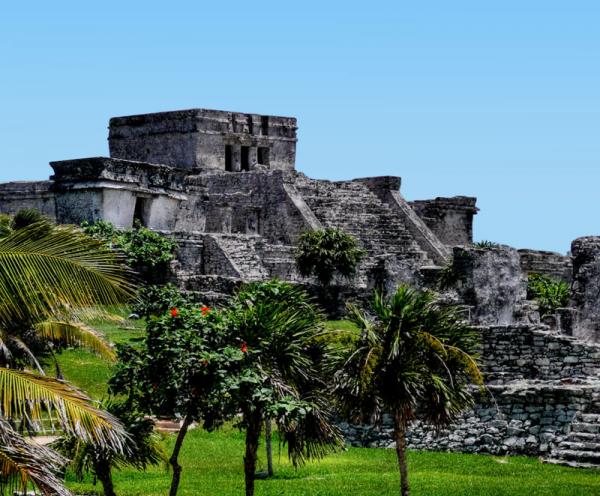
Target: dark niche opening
(245, 158)
(262, 155)
(228, 158)
(141, 212)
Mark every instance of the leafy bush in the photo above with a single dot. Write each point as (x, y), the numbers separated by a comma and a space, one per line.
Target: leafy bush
(548, 292)
(326, 252)
(143, 249)
(155, 300)
(485, 244)
(27, 217)
(5, 229)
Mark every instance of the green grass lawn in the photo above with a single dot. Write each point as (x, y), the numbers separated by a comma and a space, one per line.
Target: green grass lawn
(213, 461)
(213, 466)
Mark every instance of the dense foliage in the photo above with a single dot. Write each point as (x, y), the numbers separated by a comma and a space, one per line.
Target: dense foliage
(413, 359)
(284, 371)
(550, 293)
(155, 300)
(142, 247)
(327, 252)
(143, 448)
(183, 368)
(46, 273)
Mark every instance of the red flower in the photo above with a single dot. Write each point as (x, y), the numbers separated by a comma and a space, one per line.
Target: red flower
(244, 347)
(205, 311)
(205, 363)
(174, 312)
(154, 386)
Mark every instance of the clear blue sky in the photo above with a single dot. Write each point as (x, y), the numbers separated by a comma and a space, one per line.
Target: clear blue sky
(495, 99)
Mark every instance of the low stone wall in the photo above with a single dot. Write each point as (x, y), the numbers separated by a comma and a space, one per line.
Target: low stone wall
(525, 418)
(516, 352)
(548, 263)
(536, 383)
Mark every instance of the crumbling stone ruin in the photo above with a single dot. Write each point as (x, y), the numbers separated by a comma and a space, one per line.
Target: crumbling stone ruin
(225, 187)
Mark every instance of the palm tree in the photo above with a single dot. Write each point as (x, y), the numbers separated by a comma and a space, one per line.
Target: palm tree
(46, 271)
(281, 376)
(144, 448)
(413, 359)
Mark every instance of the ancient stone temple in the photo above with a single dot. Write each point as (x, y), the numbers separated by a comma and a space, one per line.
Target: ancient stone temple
(224, 185)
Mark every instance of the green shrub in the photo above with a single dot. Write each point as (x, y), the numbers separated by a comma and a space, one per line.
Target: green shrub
(484, 244)
(144, 250)
(155, 300)
(326, 252)
(548, 292)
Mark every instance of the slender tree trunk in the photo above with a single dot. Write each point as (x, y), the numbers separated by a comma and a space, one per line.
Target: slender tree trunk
(102, 469)
(269, 445)
(400, 425)
(253, 428)
(174, 460)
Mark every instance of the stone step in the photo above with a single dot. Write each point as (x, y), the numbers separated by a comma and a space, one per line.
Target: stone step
(570, 463)
(582, 437)
(580, 445)
(580, 456)
(592, 428)
(589, 418)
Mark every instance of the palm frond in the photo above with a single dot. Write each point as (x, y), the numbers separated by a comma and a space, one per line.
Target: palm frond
(23, 348)
(41, 270)
(23, 393)
(72, 333)
(23, 463)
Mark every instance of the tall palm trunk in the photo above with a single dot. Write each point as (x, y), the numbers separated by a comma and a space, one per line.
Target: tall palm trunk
(269, 445)
(174, 460)
(400, 424)
(253, 428)
(103, 473)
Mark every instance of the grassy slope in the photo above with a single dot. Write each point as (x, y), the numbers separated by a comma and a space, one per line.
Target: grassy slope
(213, 461)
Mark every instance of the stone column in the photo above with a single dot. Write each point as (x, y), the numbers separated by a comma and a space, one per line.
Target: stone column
(252, 157)
(236, 158)
(585, 293)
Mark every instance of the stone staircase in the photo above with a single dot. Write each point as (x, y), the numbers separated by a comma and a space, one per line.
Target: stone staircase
(243, 252)
(351, 206)
(581, 446)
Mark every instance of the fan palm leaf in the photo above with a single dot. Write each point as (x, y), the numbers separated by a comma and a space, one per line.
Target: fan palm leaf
(42, 270)
(73, 333)
(22, 463)
(26, 394)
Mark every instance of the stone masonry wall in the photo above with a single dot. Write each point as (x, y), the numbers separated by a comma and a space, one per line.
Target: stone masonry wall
(38, 195)
(451, 219)
(490, 281)
(548, 263)
(537, 383)
(585, 295)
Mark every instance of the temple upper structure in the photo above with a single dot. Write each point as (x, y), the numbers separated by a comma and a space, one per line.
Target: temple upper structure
(206, 139)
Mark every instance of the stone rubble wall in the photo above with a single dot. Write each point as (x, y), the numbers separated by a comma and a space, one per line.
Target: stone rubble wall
(547, 263)
(524, 419)
(538, 383)
(517, 352)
